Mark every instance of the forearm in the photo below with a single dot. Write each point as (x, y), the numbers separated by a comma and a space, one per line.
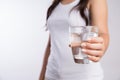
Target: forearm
(45, 60)
(44, 65)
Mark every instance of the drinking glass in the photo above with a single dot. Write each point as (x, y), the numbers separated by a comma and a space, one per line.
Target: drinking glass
(79, 34)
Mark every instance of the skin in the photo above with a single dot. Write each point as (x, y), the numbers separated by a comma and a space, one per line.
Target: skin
(96, 47)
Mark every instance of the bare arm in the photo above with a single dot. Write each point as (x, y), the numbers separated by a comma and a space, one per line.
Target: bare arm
(96, 47)
(99, 17)
(47, 53)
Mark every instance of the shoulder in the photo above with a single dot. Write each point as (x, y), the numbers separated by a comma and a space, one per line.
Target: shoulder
(98, 7)
(97, 3)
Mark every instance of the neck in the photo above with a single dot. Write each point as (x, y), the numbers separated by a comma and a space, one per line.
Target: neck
(66, 1)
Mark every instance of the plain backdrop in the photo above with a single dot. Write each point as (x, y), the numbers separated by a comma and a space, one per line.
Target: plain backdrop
(23, 39)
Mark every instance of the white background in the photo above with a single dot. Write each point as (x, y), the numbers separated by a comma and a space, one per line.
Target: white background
(23, 40)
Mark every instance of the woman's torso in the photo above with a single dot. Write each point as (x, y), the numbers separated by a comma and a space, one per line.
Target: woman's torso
(61, 65)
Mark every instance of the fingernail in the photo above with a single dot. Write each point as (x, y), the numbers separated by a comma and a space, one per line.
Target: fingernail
(83, 44)
(89, 56)
(83, 50)
(89, 39)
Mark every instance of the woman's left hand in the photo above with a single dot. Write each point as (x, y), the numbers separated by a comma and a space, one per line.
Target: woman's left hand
(94, 48)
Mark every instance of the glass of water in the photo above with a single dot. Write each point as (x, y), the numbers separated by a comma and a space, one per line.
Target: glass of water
(80, 34)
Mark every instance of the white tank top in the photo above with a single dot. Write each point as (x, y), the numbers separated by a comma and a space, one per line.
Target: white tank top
(61, 65)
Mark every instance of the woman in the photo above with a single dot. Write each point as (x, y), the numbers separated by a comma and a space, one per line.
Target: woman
(58, 61)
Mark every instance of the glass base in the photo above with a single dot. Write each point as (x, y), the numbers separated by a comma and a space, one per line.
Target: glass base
(81, 61)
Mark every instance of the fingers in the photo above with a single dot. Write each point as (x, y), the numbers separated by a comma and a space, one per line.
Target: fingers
(90, 41)
(94, 59)
(93, 46)
(94, 43)
(93, 55)
(95, 40)
(75, 44)
(96, 53)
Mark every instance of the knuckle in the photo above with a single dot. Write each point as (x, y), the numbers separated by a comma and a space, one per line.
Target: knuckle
(89, 45)
(89, 52)
(96, 60)
(101, 39)
(99, 54)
